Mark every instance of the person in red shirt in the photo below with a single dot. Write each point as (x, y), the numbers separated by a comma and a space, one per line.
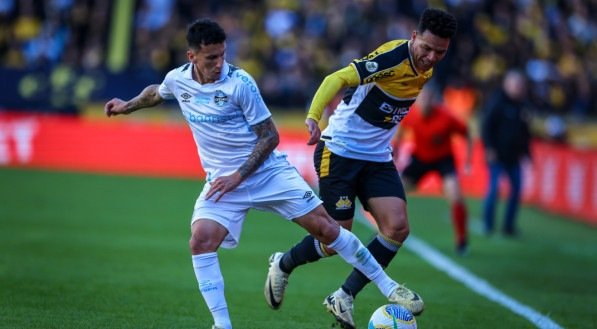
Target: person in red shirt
(433, 127)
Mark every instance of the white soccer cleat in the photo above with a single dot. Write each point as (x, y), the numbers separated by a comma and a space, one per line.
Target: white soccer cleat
(407, 298)
(276, 282)
(340, 304)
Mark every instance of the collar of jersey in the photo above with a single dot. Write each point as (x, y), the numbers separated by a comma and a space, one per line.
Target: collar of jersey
(189, 73)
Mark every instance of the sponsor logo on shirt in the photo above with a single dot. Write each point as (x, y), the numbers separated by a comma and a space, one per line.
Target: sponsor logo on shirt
(201, 100)
(379, 76)
(396, 113)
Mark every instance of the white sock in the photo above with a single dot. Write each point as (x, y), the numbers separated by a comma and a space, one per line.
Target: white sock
(349, 247)
(211, 285)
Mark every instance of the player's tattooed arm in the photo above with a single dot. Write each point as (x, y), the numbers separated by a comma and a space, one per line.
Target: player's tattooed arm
(147, 98)
(267, 140)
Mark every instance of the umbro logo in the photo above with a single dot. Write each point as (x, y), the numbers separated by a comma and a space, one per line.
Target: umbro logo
(185, 97)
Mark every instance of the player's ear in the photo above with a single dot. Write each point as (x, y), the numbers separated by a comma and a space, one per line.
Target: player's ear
(191, 56)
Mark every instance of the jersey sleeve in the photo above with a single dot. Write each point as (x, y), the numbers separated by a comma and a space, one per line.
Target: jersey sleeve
(250, 100)
(331, 85)
(165, 90)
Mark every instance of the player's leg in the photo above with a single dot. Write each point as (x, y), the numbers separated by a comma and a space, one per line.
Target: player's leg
(459, 214)
(294, 200)
(383, 195)
(325, 229)
(514, 176)
(380, 186)
(206, 236)
(348, 246)
(213, 225)
(453, 193)
(390, 215)
(337, 178)
(491, 196)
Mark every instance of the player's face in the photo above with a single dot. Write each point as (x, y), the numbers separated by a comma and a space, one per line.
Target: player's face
(208, 61)
(427, 49)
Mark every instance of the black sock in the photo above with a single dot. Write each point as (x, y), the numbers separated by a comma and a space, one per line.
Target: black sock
(356, 281)
(302, 253)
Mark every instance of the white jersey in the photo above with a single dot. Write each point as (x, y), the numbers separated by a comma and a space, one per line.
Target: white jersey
(220, 115)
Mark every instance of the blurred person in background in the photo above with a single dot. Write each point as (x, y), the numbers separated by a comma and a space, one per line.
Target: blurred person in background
(433, 127)
(353, 154)
(506, 136)
(236, 141)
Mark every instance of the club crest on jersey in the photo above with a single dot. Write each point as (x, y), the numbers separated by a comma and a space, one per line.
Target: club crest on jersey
(371, 66)
(220, 98)
(343, 203)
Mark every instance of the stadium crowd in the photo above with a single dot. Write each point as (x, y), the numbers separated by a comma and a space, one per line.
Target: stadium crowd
(289, 45)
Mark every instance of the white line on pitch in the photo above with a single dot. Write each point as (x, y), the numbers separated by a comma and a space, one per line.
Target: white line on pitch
(475, 283)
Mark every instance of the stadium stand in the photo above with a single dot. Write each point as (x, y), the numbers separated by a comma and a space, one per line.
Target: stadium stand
(58, 56)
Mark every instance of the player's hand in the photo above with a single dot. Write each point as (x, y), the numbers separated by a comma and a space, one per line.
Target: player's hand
(223, 185)
(314, 131)
(115, 106)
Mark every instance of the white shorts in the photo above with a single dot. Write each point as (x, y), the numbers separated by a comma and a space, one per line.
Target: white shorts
(280, 190)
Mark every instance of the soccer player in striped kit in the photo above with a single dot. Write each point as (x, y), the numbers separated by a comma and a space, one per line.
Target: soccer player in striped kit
(353, 157)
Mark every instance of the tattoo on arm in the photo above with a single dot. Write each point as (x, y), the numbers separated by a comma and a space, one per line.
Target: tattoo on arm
(147, 98)
(268, 139)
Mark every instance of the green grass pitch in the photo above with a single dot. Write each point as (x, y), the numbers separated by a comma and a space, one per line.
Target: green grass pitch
(100, 251)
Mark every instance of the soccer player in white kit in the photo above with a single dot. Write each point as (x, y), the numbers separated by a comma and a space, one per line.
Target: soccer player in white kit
(236, 140)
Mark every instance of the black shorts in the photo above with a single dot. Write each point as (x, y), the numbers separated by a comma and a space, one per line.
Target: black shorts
(342, 179)
(416, 169)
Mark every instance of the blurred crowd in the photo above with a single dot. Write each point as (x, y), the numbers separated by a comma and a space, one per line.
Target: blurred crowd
(290, 45)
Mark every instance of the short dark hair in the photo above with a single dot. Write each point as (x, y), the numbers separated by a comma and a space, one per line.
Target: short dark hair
(204, 32)
(438, 22)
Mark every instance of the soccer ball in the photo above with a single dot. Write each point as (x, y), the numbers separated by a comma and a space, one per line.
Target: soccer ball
(392, 316)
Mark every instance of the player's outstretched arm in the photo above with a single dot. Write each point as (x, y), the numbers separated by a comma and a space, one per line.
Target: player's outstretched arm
(147, 98)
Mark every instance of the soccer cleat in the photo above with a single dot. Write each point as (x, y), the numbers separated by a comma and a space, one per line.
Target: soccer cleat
(216, 327)
(276, 282)
(340, 305)
(462, 248)
(407, 298)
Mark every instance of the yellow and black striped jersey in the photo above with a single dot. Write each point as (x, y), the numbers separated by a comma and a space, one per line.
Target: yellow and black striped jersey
(364, 123)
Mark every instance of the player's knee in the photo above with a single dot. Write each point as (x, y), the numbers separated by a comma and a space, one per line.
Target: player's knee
(200, 245)
(397, 230)
(328, 230)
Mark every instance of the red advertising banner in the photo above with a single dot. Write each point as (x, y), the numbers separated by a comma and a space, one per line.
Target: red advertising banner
(559, 179)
